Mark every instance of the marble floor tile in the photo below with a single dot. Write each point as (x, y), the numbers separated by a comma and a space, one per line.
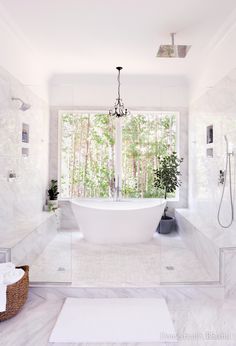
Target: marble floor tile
(115, 265)
(54, 264)
(198, 322)
(32, 325)
(178, 263)
(70, 259)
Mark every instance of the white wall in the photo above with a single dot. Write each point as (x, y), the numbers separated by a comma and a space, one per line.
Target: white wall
(101, 90)
(20, 59)
(216, 61)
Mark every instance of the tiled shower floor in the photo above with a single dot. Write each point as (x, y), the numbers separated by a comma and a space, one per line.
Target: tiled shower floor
(69, 259)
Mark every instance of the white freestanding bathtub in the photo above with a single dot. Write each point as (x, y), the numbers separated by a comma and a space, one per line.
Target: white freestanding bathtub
(126, 221)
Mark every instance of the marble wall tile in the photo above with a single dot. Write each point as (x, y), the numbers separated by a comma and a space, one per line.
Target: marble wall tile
(203, 247)
(53, 143)
(229, 273)
(5, 255)
(26, 195)
(206, 250)
(216, 107)
(202, 232)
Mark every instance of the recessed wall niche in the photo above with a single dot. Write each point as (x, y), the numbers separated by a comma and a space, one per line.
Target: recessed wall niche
(25, 152)
(209, 134)
(25, 133)
(209, 152)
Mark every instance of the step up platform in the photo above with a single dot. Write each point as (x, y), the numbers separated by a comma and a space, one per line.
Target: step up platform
(22, 241)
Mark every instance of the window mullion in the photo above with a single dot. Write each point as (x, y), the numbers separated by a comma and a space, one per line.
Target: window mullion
(118, 152)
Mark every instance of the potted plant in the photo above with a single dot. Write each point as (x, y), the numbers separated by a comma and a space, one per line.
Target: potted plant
(53, 195)
(166, 180)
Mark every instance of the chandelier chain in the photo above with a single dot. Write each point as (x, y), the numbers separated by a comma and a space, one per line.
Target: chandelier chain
(118, 79)
(119, 109)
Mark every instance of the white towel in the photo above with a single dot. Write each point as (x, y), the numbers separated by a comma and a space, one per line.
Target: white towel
(5, 270)
(3, 298)
(8, 275)
(6, 267)
(12, 277)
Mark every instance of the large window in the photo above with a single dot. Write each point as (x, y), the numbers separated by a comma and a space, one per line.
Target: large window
(96, 149)
(87, 155)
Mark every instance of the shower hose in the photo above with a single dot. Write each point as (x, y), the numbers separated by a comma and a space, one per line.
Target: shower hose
(227, 167)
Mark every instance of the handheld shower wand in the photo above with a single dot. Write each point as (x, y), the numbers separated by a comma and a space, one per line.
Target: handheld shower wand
(227, 167)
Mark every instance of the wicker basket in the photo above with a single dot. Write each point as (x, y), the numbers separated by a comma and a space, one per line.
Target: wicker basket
(17, 294)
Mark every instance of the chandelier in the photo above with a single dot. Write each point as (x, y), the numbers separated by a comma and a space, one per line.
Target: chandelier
(119, 109)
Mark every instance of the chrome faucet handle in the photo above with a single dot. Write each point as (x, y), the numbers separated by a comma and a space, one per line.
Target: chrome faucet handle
(221, 179)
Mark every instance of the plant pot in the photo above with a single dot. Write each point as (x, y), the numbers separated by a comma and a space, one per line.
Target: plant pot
(53, 203)
(166, 225)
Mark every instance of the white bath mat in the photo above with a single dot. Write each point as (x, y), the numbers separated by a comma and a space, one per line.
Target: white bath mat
(113, 320)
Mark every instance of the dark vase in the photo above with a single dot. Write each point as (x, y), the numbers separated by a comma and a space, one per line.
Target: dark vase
(166, 225)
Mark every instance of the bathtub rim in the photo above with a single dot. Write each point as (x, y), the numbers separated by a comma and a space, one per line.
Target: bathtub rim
(97, 203)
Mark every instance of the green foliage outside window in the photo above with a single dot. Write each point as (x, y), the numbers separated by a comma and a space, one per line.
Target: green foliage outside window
(145, 138)
(88, 152)
(87, 155)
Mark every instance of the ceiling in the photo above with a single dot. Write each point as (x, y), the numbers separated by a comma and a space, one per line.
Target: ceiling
(94, 36)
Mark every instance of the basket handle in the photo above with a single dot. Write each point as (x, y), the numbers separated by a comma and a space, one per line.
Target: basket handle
(24, 267)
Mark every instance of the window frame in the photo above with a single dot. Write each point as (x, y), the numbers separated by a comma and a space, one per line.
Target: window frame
(118, 142)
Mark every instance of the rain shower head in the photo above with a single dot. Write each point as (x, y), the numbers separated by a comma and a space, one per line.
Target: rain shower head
(172, 50)
(24, 106)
